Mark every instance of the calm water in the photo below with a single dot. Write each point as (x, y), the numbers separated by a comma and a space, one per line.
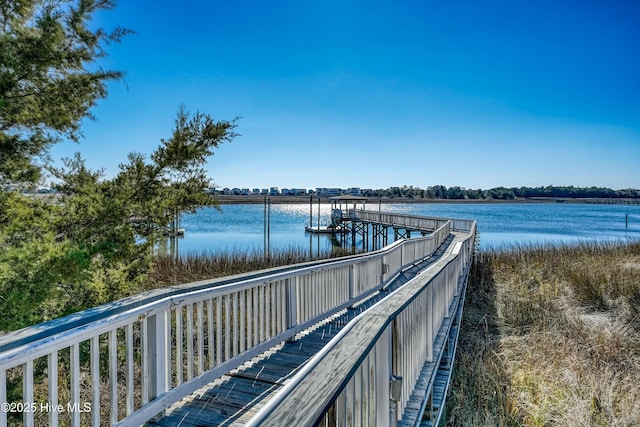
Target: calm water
(240, 227)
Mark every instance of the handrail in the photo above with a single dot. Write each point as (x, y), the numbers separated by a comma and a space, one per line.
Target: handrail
(416, 222)
(170, 343)
(400, 220)
(361, 352)
(33, 333)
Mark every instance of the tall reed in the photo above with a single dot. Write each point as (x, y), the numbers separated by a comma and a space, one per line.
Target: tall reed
(171, 270)
(550, 336)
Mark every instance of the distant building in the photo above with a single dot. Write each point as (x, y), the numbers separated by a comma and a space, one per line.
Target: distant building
(273, 191)
(264, 191)
(256, 191)
(354, 191)
(328, 192)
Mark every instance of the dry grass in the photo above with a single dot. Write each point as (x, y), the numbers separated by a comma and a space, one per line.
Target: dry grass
(550, 336)
(196, 266)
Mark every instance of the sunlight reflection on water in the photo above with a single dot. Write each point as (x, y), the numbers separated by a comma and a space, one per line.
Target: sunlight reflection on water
(240, 227)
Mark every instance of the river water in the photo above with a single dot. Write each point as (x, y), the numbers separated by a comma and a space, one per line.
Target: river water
(241, 227)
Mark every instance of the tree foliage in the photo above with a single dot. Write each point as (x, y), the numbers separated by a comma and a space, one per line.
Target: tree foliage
(94, 243)
(46, 85)
(138, 203)
(502, 193)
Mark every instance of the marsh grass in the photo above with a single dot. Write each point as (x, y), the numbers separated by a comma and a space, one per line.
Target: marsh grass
(169, 270)
(550, 336)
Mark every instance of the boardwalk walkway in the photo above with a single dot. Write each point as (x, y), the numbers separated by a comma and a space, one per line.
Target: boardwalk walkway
(233, 399)
(366, 339)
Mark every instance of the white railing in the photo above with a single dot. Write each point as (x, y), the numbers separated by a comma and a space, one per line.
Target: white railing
(413, 222)
(125, 362)
(367, 373)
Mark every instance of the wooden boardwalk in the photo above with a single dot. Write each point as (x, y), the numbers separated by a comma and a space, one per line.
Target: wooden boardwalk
(233, 399)
(358, 340)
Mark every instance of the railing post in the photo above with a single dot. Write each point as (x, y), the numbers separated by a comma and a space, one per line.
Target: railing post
(292, 304)
(429, 319)
(384, 269)
(352, 282)
(383, 370)
(158, 350)
(52, 366)
(3, 397)
(27, 391)
(395, 361)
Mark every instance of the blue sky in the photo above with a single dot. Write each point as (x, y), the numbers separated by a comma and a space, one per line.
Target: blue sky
(382, 93)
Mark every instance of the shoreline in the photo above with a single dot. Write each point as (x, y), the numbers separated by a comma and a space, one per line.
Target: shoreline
(253, 199)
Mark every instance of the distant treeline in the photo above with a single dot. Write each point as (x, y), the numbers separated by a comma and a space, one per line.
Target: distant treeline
(501, 193)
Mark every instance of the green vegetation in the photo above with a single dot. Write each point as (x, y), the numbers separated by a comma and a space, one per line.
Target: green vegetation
(47, 85)
(550, 336)
(95, 244)
(501, 193)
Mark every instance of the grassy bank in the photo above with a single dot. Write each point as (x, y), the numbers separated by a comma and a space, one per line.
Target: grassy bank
(550, 336)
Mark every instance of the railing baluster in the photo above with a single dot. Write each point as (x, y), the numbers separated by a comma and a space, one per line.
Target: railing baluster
(255, 316)
(261, 306)
(317, 293)
(273, 306)
(281, 303)
(129, 355)
(3, 396)
(113, 375)
(158, 353)
(94, 348)
(235, 337)
(75, 385)
(27, 387)
(227, 327)
(189, 308)
(349, 394)
(306, 297)
(219, 330)
(144, 357)
(341, 409)
(243, 314)
(250, 318)
(357, 398)
(200, 326)
(267, 309)
(366, 396)
(179, 346)
(52, 368)
(210, 334)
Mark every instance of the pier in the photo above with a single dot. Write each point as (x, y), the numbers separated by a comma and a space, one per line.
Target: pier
(366, 339)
